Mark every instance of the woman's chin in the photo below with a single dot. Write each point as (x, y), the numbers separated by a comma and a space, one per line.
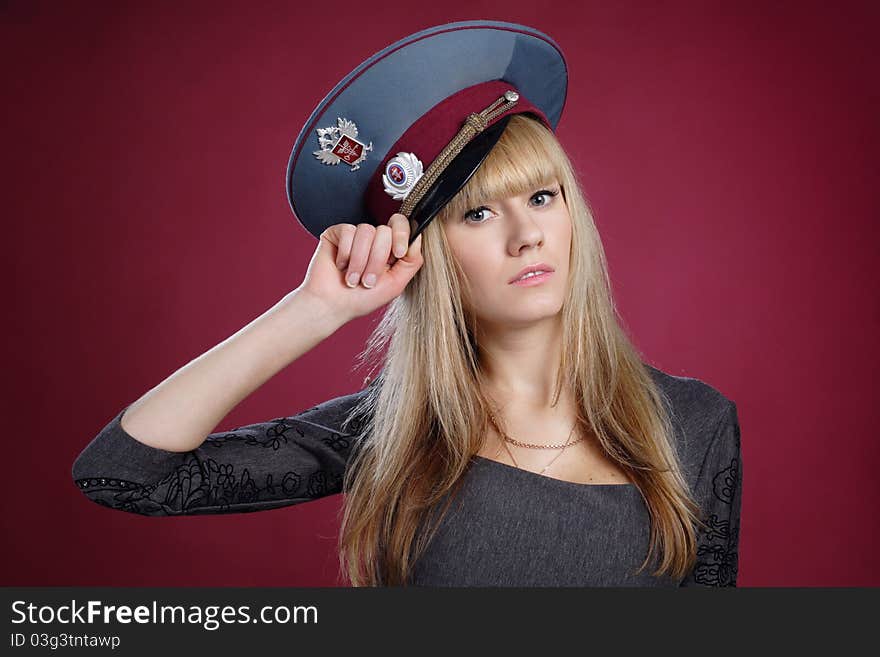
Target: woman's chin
(524, 315)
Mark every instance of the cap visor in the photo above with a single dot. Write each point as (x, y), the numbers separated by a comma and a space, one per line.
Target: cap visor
(455, 176)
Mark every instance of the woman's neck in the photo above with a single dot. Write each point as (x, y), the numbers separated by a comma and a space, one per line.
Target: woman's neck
(519, 364)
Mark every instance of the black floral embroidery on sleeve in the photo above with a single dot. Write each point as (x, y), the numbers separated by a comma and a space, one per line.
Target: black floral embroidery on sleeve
(277, 434)
(207, 485)
(195, 486)
(291, 482)
(717, 558)
(337, 441)
(317, 483)
(717, 552)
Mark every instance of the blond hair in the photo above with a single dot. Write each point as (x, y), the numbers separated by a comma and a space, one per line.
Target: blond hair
(426, 415)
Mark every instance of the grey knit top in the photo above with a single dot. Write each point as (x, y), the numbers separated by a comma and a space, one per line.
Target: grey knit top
(506, 526)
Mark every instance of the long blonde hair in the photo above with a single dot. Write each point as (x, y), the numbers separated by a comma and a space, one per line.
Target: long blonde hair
(426, 414)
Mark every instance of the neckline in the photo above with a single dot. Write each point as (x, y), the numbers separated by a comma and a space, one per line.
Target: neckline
(529, 473)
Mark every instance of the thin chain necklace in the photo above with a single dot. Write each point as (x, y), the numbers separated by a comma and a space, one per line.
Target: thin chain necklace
(508, 439)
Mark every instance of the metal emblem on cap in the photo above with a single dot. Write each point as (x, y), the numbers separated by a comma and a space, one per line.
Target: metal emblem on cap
(401, 174)
(338, 144)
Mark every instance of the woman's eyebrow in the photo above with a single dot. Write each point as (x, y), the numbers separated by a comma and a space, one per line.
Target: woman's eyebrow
(528, 190)
(478, 203)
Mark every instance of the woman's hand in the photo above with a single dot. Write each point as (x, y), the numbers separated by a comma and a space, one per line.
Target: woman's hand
(356, 269)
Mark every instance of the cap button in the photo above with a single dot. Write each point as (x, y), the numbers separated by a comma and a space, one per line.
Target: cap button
(511, 96)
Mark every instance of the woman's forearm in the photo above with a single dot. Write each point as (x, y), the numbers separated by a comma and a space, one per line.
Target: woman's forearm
(179, 413)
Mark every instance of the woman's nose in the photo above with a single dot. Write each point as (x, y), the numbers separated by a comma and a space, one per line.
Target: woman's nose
(525, 232)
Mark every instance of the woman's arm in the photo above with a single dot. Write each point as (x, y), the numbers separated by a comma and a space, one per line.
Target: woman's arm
(157, 457)
(153, 449)
(256, 467)
(181, 411)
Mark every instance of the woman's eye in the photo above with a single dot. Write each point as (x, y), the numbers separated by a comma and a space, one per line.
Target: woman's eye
(544, 196)
(477, 215)
(481, 214)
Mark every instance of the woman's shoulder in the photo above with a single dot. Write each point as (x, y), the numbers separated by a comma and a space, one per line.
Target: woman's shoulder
(699, 412)
(690, 396)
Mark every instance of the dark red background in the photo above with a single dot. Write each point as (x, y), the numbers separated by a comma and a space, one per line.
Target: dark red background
(729, 151)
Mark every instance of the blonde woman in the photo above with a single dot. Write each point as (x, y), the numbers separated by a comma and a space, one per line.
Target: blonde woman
(513, 436)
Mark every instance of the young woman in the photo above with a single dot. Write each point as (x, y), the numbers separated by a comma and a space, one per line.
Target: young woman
(513, 435)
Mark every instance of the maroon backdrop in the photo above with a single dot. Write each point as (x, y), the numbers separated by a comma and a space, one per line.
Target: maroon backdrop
(729, 153)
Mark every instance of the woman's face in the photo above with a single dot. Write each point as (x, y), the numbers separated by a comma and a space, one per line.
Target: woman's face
(497, 240)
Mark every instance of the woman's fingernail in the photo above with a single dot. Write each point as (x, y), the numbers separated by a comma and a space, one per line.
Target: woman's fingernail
(353, 278)
(399, 250)
(369, 280)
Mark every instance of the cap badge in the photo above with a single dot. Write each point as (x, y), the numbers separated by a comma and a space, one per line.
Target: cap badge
(401, 174)
(339, 144)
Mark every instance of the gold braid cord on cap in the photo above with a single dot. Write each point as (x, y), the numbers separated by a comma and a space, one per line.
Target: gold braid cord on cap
(473, 125)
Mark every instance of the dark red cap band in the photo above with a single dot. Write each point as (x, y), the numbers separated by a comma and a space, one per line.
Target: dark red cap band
(430, 134)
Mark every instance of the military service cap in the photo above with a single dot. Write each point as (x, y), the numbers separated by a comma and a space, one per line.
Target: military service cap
(406, 129)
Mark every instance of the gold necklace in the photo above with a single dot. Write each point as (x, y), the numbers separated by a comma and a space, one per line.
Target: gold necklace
(508, 439)
(532, 445)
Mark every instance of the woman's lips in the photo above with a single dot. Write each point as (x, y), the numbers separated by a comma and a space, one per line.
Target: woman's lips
(534, 279)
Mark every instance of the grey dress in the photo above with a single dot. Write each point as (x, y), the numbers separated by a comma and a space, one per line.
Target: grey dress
(506, 527)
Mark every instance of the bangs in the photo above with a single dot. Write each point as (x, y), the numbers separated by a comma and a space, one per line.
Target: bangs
(526, 158)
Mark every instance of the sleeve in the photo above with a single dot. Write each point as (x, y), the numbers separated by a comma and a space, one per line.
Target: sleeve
(718, 491)
(256, 467)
